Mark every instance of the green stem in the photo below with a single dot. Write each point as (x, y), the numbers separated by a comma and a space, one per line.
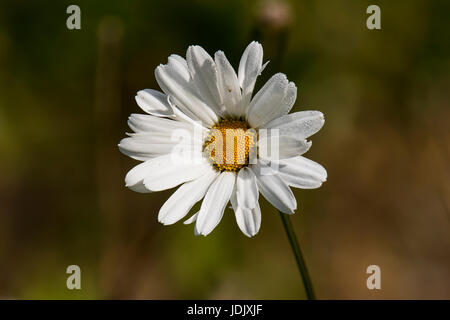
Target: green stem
(298, 256)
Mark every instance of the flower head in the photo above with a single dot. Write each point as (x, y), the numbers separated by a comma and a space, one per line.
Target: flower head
(208, 133)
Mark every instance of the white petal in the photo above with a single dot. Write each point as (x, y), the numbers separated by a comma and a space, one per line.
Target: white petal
(181, 116)
(248, 220)
(228, 85)
(246, 189)
(181, 65)
(214, 203)
(165, 172)
(182, 200)
(154, 103)
(143, 151)
(274, 189)
(301, 124)
(147, 123)
(204, 76)
(287, 147)
(172, 80)
(275, 99)
(135, 177)
(139, 187)
(191, 219)
(175, 113)
(143, 146)
(250, 67)
(302, 173)
(196, 232)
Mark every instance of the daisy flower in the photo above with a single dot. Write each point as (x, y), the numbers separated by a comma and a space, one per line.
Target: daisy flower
(207, 133)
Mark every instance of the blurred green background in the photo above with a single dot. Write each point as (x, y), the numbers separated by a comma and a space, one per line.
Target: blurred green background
(65, 96)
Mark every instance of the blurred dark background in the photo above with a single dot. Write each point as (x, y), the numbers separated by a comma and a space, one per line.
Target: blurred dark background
(65, 96)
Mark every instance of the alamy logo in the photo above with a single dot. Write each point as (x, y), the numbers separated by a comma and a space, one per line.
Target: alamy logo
(374, 20)
(74, 280)
(74, 20)
(374, 280)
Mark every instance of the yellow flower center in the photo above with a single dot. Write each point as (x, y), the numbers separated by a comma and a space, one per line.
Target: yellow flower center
(230, 145)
